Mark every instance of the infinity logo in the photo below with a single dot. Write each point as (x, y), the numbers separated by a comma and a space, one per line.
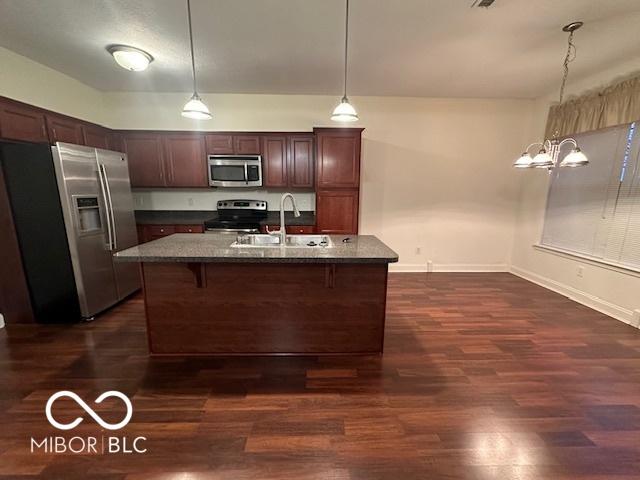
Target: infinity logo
(89, 410)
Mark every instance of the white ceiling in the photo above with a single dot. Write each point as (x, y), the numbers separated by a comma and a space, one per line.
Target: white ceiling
(432, 48)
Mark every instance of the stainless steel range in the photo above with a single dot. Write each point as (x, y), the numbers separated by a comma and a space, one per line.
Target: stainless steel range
(236, 216)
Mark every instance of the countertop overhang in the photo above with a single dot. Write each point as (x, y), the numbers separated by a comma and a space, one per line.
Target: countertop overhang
(216, 248)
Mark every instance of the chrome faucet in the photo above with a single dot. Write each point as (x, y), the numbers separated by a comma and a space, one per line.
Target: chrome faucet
(283, 231)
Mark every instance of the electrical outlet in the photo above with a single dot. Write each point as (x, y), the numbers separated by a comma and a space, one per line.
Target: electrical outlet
(580, 271)
(190, 201)
(418, 250)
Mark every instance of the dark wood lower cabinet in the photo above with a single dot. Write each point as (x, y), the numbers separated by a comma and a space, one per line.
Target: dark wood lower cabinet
(146, 233)
(337, 211)
(265, 309)
(291, 229)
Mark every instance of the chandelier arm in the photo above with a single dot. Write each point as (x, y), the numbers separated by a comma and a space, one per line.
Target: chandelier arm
(568, 140)
(533, 145)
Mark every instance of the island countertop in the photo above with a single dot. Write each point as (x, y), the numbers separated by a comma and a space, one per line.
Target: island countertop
(216, 248)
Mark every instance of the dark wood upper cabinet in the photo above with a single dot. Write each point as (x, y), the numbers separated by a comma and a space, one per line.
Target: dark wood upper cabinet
(231, 144)
(274, 161)
(338, 157)
(337, 211)
(116, 141)
(185, 160)
(18, 122)
(95, 136)
(246, 144)
(62, 129)
(300, 163)
(219, 144)
(145, 154)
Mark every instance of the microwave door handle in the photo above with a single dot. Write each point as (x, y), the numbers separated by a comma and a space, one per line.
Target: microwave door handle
(114, 241)
(106, 206)
(246, 174)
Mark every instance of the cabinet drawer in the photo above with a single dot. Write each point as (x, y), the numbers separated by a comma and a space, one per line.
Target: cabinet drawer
(189, 229)
(161, 230)
(291, 229)
(298, 229)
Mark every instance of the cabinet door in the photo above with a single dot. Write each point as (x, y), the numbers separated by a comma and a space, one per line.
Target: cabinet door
(274, 161)
(219, 144)
(185, 161)
(338, 158)
(22, 123)
(300, 164)
(246, 144)
(95, 136)
(116, 142)
(64, 130)
(337, 211)
(145, 157)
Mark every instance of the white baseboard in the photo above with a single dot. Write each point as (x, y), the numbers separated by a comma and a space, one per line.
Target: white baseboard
(592, 301)
(446, 267)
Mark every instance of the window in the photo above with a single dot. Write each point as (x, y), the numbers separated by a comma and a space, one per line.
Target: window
(594, 211)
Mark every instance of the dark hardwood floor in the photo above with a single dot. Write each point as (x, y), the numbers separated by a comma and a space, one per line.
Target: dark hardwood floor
(484, 376)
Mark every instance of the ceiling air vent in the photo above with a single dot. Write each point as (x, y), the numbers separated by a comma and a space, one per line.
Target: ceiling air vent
(482, 3)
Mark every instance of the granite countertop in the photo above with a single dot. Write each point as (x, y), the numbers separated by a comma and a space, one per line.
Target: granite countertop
(194, 217)
(216, 248)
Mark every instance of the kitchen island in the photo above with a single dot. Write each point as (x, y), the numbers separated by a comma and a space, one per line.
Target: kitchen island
(205, 296)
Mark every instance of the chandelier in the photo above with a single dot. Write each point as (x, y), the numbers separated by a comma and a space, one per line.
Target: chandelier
(548, 155)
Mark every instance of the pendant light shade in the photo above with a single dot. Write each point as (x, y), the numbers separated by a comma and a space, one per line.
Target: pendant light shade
(195, 107)
(345, 112)
(525, 161)
(542, 160)
(575, 159)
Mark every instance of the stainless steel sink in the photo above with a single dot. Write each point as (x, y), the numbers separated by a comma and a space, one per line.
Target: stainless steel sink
(292, 241)
(322, 241)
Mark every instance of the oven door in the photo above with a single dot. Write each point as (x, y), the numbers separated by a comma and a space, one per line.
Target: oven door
(235, 172)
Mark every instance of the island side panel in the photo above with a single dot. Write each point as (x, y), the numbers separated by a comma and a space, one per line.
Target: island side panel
(237, 308)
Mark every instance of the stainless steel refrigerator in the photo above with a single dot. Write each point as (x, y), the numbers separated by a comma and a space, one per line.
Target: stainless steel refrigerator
(97, 207)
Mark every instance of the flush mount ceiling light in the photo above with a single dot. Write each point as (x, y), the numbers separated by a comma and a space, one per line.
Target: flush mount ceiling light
(549, 150)
(345, 112)
(195, 107)
(130, 58)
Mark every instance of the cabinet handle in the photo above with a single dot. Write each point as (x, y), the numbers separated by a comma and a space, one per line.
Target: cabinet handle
(162, 230)
(190, 231)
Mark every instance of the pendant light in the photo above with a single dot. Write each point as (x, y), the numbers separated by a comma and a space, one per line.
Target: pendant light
(549, 150)
(345, 112)
(195, 107)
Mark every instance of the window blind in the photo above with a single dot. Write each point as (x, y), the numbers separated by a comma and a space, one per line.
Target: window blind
(595, 210)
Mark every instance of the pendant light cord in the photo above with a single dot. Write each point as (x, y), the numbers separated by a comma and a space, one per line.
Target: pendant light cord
(346, 46)
(193, 61)
(570, 57)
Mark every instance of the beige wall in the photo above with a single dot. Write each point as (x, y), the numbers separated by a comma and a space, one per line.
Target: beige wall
(436, 179)
(611, 291)
(25, 80)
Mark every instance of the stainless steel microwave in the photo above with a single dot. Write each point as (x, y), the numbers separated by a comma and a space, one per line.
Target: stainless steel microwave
(235, 170)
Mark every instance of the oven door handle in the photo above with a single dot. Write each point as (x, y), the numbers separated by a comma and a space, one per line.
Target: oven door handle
(246, 173)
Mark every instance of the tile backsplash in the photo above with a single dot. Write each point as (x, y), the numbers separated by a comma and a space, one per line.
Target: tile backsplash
(196, 199)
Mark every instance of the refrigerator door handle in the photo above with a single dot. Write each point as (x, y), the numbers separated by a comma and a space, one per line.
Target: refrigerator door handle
(106, 192)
